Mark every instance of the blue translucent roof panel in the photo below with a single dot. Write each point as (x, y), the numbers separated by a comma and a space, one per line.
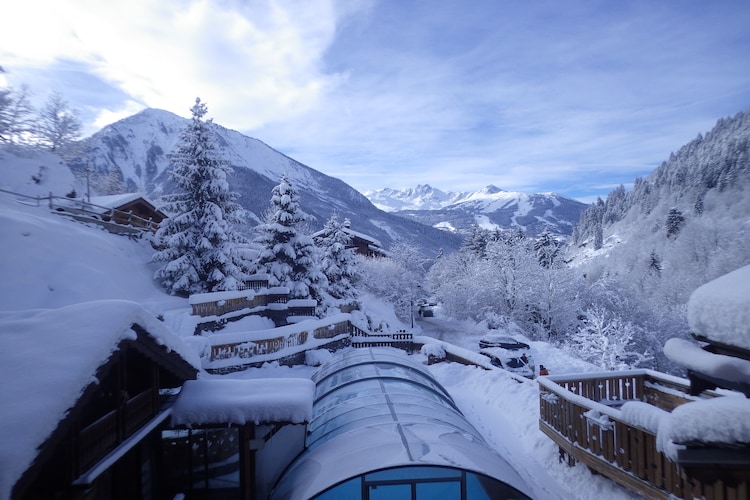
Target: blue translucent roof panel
(377, 409)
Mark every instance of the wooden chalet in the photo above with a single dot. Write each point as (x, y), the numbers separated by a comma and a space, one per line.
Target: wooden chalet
(86, 390)
(132, 209)
(663, 436)
(361, 243)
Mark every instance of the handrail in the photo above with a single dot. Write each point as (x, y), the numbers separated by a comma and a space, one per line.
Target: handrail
(580, 413)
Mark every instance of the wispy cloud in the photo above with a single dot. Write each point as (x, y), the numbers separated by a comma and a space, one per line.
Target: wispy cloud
(543, 96)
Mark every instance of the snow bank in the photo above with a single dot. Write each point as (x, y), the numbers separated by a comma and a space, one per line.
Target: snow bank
(317, 357)
(233, 401)
(720, 309)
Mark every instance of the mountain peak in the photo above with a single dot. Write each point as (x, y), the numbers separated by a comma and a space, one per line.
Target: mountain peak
(488, 207)
(492, 189)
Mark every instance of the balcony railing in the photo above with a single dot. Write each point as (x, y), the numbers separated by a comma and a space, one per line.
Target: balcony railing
(103, 435)
(582, 415)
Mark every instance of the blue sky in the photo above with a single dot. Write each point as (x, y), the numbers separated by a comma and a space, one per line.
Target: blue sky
(573, 97)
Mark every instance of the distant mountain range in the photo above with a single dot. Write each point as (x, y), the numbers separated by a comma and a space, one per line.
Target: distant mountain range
(489, 207)
(131, 155)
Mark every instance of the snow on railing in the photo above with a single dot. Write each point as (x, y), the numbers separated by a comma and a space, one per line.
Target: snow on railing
(611, 422)
(247, 345)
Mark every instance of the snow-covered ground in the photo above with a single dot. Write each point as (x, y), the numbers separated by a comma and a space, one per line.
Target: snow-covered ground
(50, 262)
(503, 409)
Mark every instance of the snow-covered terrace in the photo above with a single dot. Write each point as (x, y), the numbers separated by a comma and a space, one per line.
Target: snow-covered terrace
(661, 435)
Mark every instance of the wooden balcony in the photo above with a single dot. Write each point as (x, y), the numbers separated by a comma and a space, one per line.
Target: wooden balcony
(582, 414)
(103, 435)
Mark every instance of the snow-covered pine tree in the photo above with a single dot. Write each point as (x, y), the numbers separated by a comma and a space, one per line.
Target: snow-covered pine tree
(288, 255)
(546, 248)
(199, 240)
(675, 221)
(339, 261)
(476, 241)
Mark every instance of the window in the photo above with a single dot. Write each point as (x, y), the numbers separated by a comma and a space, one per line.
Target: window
(205, 460)
(420, 483)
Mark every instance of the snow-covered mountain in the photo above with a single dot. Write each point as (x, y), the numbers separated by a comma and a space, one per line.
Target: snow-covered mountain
(131, 155)
(489, 207)
(685, 224)
(423, 197)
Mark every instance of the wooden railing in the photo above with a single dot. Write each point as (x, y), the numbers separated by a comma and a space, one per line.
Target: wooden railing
(97, 439)
(101, 436)
(401, 340)
(137, 411)
(249, 349)
(219, 307)
(581, 415)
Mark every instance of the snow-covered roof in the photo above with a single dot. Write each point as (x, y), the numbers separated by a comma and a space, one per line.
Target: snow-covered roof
(720, 309)
(117, 200)
(722, 420)
(48, 358)
(354, 234)
(235, 401)
(377, 409)
(691, 356)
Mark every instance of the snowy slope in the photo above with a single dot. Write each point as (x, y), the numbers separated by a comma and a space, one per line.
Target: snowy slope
(489, 207)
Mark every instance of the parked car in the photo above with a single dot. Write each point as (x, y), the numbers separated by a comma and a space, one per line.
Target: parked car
(425, 312)
(508, 360)
(504, 341)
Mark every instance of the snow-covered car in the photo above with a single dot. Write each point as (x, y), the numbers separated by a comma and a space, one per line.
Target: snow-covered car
(508, 360)
(500, 340)
(426, 312)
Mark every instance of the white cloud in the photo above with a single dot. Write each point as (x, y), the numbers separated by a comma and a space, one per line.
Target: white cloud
(539, 96)
(253, 63)
(106, 116)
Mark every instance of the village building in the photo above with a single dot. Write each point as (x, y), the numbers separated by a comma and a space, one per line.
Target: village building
(128, 209)
(85, 388)
(362, 244)
(129, 214)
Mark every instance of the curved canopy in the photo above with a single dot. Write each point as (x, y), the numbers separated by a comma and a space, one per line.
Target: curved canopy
(377, 410)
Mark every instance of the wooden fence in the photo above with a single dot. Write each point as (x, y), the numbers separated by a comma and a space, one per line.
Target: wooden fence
(581, 416)
(249, 349)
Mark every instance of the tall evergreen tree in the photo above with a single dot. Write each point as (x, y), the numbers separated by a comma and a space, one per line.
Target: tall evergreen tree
(199, 240)
(289, 255)
(675, 221)
(339, 261)
(476, 241)
(546, 248)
